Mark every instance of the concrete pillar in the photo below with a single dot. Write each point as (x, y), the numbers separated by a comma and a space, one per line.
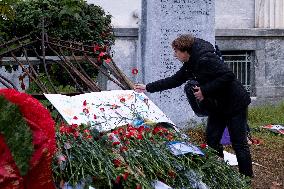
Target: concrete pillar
(269, 14)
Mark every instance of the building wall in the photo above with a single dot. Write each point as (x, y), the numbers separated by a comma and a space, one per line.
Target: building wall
(238, 27)
(268, 64)
(126, 13)
(234, 14)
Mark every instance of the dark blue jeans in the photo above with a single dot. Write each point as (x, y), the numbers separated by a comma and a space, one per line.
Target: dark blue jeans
(237, 126)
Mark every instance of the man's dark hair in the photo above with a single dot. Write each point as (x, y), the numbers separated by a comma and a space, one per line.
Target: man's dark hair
(183, 43)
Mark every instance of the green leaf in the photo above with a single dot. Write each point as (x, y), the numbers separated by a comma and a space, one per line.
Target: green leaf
(17, 134)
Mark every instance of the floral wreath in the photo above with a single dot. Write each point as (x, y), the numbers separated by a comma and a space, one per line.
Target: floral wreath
(36, 123)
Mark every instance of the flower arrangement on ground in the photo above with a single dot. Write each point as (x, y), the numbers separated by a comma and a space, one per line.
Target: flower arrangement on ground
(138, 157)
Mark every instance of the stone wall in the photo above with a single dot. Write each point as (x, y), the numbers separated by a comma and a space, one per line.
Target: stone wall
(268, 65)
(267, 45)
(125, 53)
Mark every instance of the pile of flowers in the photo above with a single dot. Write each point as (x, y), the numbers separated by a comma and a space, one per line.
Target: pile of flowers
(137, 157)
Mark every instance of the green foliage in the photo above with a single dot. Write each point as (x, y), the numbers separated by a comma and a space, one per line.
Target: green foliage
(72, 20)
(264, 115)
(33, 88)
(7, 13)
(17, 134)
(268, 114)
(65, 19)
(7, 10)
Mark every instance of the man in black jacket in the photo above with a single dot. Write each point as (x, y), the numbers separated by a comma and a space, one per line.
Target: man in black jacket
(219, 92)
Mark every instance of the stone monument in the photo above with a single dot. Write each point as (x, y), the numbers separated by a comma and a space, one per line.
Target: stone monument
(162, 21)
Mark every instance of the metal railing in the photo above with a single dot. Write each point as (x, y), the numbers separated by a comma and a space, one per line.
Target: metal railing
(240, 62)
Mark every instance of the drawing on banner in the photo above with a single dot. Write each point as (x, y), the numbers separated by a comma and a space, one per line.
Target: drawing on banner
(107, 109)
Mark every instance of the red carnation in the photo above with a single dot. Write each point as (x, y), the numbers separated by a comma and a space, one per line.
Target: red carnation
(125, 175)
(117, 162)
(139, 137)
(141, 129)
(123, 148)
(134, 71)
(203, 146)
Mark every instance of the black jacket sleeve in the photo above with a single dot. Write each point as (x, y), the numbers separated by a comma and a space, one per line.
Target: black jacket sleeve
(220, 74)
(168, 83)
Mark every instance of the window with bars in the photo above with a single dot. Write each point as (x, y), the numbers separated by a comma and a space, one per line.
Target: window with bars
(240, 62)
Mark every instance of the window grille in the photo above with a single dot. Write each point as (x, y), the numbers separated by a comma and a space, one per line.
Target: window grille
(240, 62)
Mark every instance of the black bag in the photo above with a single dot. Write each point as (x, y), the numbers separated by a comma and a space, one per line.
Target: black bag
(194, 103)
(200, 108)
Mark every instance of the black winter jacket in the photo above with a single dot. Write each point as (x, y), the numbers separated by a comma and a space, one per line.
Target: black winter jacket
(215, 79)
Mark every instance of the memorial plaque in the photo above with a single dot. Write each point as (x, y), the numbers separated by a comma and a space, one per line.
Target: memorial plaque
(162, 21)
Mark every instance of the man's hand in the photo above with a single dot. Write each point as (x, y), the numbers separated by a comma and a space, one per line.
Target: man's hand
(140, 88)
(198, 93)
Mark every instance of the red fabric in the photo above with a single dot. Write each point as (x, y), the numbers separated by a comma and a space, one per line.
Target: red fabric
(43, 129)
(9, 174)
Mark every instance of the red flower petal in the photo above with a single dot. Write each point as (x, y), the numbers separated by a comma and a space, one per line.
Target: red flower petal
(139, 137)
(101, 54)
(115, 143)
(85, 103)
(86, 110)
(134, 71)
(125, 175)
(110, 136)
(86, 131)
(96, 48)
(75, 117)
(108, 60)
(117, 180)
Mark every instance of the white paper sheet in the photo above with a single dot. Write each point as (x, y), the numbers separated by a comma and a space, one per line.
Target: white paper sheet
(107, 109)
(230, 158)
